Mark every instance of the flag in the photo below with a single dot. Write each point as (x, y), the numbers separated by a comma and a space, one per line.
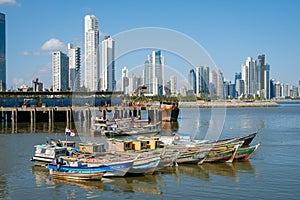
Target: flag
(68, 132)
(72, 134)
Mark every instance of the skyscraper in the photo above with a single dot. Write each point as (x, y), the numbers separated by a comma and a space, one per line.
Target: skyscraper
(251, 76)
(267, 90)
(2, 53)
(91, 52)
(74, 67)
(261, 62)
(202, 80)
(125, 80)
(60, 70)
(299, 88)
(192, 80)
(154, 73)
(173, 84)
(108, 64)
(216, 82)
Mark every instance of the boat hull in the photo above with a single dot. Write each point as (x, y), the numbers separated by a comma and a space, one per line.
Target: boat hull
(77, 176)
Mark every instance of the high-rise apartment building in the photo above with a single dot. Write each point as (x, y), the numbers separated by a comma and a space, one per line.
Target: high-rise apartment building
(108, 64)
(192, 80)
(60, 71)
(299, 88)
(261, 63)
(91, 52)
(154, 74)
(202, 80)
(74, 67)
(239, 87)
(267, 90)
(125, 80)
(173, 84)
(2, 53)
(216, 83)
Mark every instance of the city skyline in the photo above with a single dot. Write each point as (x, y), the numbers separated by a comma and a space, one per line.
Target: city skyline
(221, 28)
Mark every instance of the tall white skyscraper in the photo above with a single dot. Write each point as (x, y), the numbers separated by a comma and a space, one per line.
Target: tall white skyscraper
(173, 81)
(125, 80)
(245, 78)
(108, 64)
(154, 73)
(74, 67)
(60, 71)
(216, 82)
(251, 76)
(91, 52)
(202, 80)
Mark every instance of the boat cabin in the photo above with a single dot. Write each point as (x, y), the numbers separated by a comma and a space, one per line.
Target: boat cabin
(45, 153)
(91, 147)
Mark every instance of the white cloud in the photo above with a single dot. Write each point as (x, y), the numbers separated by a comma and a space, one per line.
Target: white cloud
(52, 45)
(12, 2)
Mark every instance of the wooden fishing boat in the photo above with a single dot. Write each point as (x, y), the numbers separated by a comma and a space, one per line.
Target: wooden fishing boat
(246, 138)
(144, 164)
(112, 167)
(129, 131)
(244, 153)
(84, 175)
(222, 153)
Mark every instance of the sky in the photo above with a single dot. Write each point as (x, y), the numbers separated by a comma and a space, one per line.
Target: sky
(229, 31)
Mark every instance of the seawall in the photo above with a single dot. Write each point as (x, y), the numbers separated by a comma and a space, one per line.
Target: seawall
(227, 104)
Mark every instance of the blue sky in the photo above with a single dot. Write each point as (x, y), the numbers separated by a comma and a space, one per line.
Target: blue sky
(228, 30)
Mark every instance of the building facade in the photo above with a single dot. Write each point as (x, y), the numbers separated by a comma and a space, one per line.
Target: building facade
(60, 71)
(267, 89)
(192, 80)
(2, 53)
(202, 80)
(125, 80)
(108, 64)
(91, 52)
(154, 74)
(74, 67)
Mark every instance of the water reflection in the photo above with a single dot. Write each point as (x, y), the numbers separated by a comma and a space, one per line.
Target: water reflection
(169, 127)
(204, 171)
(3, 186)
(148, 184)
(40, 127)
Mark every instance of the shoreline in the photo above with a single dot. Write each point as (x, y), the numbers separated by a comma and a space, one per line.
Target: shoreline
(227, 104)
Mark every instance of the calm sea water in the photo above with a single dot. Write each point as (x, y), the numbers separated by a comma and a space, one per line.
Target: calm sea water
(272, 172)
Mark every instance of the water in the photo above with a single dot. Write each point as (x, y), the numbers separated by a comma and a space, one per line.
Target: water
(271, 173)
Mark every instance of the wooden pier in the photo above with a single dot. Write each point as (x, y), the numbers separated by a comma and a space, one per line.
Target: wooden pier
(67, 114)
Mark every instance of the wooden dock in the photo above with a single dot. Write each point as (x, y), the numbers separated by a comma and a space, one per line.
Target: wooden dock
(66, 114)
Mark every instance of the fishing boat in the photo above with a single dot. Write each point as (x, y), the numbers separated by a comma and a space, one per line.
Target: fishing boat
(189, 154)
(225, 153)
(84, 175)
(247, 139)
(129, 131)
(169, 111)
(47, 153)
(144, 164)
(94, 164)
(244, 153)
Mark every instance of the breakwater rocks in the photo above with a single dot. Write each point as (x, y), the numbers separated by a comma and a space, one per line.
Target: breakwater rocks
(227, 104)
